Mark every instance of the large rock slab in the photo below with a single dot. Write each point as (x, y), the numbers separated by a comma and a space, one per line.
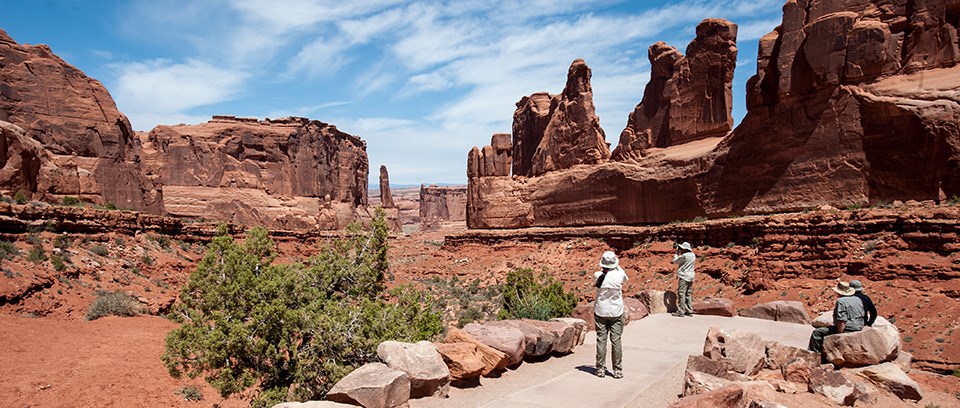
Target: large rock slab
(429, 375)
(778, 355)
(745, 351)
(634, 309)
(891, 377)
(717, 368)
(872, 345)
(714, 307)
(567, 335)
(779, 310)
(579, 329)
(658, 301)
(825, 319)
(538, 341)
(493, 359)
(312, 404)
(373, 385)
(833, 385)
(508, 340)
(464, 360)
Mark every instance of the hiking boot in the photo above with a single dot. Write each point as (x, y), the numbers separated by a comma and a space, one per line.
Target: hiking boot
(617, 374)
(676, 314)
(601, 372)
(689, 315)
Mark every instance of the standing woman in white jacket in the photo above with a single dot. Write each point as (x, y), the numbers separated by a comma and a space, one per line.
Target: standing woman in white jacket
(608, 312)
(686, 261)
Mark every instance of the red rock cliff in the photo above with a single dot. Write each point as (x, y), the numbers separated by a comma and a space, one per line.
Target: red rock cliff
(688, 97)
(291, 173)
(854, 102)
(86, 147)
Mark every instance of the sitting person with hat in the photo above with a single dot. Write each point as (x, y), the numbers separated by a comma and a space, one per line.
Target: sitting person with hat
(868, 305)
(848, 316)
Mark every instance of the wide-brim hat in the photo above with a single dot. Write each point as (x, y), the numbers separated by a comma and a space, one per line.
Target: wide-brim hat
(686, 246)
(856, 285)
(609, 260)
(843, 288)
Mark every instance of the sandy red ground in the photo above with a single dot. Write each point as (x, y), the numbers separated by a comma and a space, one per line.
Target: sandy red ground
(52, 356)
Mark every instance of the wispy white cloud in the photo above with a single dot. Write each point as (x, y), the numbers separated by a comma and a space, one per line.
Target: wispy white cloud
(753, 30)
(152, 90)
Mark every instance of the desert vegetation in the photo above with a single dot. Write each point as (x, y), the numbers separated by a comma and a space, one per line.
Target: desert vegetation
(288, 331)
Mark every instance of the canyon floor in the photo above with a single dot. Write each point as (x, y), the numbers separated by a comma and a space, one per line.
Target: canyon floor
(55, 357)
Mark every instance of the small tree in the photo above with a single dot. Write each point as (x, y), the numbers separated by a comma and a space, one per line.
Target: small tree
(292, 330)
(527, 295)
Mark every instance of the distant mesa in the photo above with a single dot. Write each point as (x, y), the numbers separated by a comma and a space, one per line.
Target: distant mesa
(853, 103)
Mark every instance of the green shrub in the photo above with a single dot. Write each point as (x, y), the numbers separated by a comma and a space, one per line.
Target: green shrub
(530, 296)
(37, 254)
(100, 250)
(8, 250)
(58, 263)
(190, 394)
(162, 240)
(146, 259)
(34, 239)
(291, 330)
(69, 201)
(110, 206)
(62, 241)
(20, 197)
(112, 304)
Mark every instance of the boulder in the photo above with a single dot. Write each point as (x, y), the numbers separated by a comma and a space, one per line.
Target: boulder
(732, 396)
(508, 340)
(780, 310)
(872, 345)
(567, 335)
(421, 362)
(658, 301)
(745, 351)
(538, 342)
(892, 378)
(579, 329)
(797, 371)
(717, 368)
(493, 360)
(714, 307)
(766, 404)
(634, 309)
(833, 385)
(313, 404)
(825, 319)
(779, 355)
(373, 385)
(463, 360)
(904, 360)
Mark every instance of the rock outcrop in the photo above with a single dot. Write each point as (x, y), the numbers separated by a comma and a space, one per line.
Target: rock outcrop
(779, 310)
(853, 103)
(291, 173)
(440, 204)
(386, 198)
(688, 97)
(87, 148)
(372, 385)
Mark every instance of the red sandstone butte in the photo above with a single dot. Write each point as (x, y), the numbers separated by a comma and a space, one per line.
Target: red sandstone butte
(440, 204)
(688, 97)
(291, 173)
(86, 148)
(853, 103)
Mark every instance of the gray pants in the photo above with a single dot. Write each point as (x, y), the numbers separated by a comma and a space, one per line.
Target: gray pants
(614, 327)
(684, 297)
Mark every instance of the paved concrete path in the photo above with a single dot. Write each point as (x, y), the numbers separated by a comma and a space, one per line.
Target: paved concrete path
(655, 351)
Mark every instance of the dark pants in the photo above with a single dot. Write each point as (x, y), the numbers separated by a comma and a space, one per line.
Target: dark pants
(614, 327)
(684, 297)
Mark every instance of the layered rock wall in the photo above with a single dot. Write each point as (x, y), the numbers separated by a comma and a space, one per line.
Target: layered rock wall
(688, 97)
(440, 204)
(291, 173)
(86, 148)
(854, 102)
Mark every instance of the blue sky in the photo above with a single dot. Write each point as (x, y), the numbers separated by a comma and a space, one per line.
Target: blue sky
(421, 82)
